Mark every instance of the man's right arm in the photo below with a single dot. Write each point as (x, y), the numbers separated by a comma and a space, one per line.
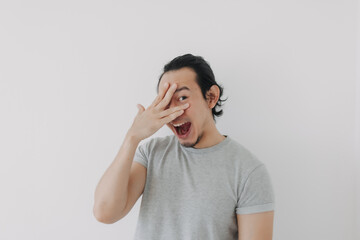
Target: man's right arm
(124, 180)
(111, 194)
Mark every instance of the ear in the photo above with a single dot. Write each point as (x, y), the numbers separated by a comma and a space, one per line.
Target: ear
(212, 96)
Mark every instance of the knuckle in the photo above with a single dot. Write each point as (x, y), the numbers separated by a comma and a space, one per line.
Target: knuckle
(153, 110)
(157, 115)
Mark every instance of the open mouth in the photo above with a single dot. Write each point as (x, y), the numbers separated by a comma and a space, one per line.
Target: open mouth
(183, 130)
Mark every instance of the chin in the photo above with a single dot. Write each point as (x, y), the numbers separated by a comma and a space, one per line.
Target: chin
(189, 144)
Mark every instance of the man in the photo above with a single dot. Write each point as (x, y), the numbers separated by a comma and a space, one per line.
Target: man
(197, 183)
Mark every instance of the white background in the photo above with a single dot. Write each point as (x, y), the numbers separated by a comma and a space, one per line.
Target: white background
(72, 72)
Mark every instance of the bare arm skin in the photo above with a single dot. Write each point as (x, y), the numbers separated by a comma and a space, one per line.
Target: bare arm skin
(112, 191)
(256, 226)
(124, 180)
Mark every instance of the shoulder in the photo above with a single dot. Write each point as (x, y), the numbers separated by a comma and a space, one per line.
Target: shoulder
(156, 143)
(242, 155)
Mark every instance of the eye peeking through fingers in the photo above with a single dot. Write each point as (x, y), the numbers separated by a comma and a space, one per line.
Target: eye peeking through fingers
(184, 97)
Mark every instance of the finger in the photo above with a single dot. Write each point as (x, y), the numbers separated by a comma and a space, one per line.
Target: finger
(163, 88)
(171, 117)
(173, 109)
(141, 108)
(165, 101)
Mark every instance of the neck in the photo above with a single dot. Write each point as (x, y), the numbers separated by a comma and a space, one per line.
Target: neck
(210, 137)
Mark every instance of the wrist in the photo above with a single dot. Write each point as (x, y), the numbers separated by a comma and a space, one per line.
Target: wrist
(132, 138)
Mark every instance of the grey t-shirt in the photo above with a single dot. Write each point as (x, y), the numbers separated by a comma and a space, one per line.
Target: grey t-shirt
(196, 193)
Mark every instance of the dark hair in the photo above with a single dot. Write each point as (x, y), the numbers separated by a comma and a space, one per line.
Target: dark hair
(204, 76)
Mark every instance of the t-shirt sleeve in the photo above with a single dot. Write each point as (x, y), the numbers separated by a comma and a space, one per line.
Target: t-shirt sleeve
(140, 155)
(257, 194)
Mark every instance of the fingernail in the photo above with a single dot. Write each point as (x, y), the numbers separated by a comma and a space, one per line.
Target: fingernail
(186, 105)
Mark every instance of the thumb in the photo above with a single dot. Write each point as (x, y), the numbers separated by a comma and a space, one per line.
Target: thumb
(141, 108)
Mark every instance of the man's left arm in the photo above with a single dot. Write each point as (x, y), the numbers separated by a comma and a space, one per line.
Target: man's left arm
(255, 207)
(255, 226)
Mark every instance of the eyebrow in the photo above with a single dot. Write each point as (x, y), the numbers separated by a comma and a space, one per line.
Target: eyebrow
(182, 88)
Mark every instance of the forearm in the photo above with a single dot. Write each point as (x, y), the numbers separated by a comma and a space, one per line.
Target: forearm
(112, 189)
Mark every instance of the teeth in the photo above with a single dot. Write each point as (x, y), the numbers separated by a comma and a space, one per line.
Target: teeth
(178, 125)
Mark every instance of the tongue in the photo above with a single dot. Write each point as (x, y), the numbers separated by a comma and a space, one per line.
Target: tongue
(185, 128)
